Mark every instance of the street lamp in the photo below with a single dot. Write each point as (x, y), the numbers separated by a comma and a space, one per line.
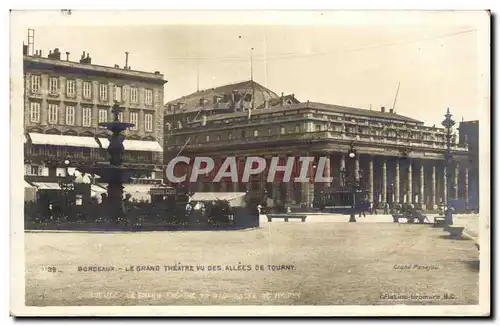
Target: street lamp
(354, 184)
(448, 123)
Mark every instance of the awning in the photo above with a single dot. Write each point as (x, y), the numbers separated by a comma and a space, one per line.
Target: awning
(138, 192)
(47, 186)
(27, 185)
(24, 139)
(96, 190)
(63, 140)
(137, 188)
(212, 196)
(136, 145)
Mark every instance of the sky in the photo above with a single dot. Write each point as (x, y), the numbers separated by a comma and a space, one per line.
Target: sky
(436, 65)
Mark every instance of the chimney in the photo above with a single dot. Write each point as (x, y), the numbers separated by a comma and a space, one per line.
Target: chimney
(126, 61)
(382, 109)
(39, 53)
(67, 56)
(391, 110)
(83, 55)
(25, 49)
(57, 54)
(50, 54)
(282, 99)
(157, 72)
(117, 66)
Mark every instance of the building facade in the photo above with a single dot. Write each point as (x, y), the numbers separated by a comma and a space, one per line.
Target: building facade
(64, 101)
(399, 158)
(469, 136)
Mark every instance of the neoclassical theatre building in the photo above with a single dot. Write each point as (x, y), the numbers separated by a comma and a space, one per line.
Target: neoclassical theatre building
(399, 158)
(65, 100)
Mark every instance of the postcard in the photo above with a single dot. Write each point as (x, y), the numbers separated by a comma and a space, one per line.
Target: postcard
(256, 163)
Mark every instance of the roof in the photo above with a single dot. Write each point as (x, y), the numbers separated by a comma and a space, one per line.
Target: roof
(325, 107)
(192, 101)
(63, 64)
(362, 112)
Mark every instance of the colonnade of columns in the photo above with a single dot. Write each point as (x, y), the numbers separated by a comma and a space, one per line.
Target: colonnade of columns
(389, 180)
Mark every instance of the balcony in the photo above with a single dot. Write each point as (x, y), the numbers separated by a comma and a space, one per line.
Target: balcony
(327, 136)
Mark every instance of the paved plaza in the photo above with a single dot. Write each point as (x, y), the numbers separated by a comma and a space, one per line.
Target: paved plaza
(323, 261)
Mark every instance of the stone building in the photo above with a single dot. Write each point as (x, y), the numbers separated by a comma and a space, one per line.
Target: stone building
(399, 158)
(469, 136)
(65, 100)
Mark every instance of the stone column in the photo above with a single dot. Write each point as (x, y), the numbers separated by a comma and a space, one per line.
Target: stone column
(466, 187)
(433, 185)
(327, 172)
(308, 187)
(455, 184)
(356, 169)
(409, 197)
(370, 178)
(396, 183)
(422, 184)
(275, 192)
(223, 186)
(342, 168)
(384, 180)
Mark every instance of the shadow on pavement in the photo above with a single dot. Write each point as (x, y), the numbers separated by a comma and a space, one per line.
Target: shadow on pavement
(472, 265)
(449, 237)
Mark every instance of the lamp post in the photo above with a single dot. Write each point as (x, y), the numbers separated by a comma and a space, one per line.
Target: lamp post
(448, 124)
(67, 186)
(353, 183)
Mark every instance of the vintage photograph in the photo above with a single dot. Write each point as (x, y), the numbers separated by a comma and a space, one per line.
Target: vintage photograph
(315, 163)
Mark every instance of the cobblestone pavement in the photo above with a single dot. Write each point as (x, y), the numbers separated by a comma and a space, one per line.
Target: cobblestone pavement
(315, 262)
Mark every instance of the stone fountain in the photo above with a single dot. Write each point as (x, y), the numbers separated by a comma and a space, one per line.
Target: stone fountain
(114, 173)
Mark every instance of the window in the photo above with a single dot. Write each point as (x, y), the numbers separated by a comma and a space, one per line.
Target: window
(70, 115)
(318, 127)
(70, 87)
(243, 134)
(103, 115)
(149, 97)
(35, 112)
(218, 137)
(207, 138)
(282, 130)
(269, 131)
(134, 118)
(103, 92)
(53, 85)
(53, 111)
(133, 94)
(120, 116)
(35, 83)
(230, 136)
(118, 94)
(297, 128)
(256, 133)
(87, 116)
(148, 122)
(34, 170)
(87, 90)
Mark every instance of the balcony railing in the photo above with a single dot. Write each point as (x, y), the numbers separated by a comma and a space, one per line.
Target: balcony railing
(328, 135)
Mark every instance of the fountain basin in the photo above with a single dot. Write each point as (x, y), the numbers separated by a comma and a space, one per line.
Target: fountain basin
(116, 126)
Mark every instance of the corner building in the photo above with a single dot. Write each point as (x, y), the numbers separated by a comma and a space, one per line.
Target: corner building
(400, 160)
(65, 100)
